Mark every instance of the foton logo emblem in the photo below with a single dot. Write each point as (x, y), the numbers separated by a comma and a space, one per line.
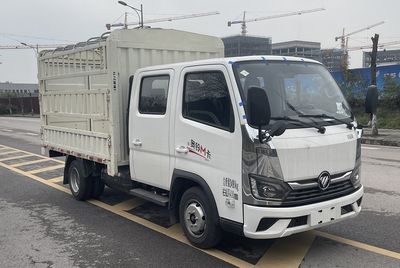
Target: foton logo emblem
(324, 180)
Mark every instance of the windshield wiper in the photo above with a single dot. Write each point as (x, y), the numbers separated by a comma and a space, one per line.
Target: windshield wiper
(349, 125)
(321, 129)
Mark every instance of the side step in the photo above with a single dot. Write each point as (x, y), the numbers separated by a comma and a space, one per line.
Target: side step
(150, 196)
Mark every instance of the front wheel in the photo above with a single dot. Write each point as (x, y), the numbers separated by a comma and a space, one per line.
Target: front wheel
(198, 217)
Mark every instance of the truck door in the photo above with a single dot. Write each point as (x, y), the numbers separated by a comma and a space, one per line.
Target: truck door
(208, 136)
(149, 128)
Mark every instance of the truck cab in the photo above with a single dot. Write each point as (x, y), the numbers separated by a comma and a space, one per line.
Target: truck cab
(263, 146)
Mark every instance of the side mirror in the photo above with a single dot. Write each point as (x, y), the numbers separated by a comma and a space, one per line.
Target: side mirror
(258, 110)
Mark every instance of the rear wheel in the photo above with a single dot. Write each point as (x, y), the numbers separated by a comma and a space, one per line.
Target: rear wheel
(97, 188)
(198, 217)
(81, 186)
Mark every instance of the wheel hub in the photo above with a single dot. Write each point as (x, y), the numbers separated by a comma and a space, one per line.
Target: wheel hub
(195, 220)
(74, 180)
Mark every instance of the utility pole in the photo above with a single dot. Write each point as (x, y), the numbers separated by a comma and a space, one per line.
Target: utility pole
(373, 58)
(141, 15)
(126, 21)
(9, 104)
(373, 82)
(31, 102)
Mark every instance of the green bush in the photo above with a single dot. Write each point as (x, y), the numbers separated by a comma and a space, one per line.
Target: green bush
(388, 113)
(390, 95)
(5, 110)
(387, 117)
(349, 86)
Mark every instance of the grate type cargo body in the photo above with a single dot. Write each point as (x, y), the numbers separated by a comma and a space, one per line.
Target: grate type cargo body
(84, 88)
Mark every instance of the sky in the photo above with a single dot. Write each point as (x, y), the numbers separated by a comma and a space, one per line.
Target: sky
(70, 21)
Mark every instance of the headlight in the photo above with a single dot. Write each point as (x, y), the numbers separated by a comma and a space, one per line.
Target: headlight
(268, 188)
(356, 177)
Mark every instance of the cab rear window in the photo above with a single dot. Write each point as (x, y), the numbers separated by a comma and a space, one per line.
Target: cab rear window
(153, 94)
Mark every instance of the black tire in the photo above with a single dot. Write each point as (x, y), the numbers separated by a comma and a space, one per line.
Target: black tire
(80, 186)
(97, 187)
(195, 199)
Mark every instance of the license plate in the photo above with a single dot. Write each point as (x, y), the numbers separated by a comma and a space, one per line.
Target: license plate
(324, 215)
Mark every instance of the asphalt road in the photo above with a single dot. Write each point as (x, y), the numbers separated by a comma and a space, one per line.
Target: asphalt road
(42, 226)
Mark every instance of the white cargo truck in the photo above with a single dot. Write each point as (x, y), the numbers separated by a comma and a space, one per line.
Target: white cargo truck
(263, 146)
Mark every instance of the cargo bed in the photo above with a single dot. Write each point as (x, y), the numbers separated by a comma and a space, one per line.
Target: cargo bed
(84, 88)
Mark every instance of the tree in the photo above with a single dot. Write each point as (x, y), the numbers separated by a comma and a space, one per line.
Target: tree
(374, 53)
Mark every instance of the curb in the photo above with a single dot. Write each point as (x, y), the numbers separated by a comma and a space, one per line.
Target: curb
(380, 141)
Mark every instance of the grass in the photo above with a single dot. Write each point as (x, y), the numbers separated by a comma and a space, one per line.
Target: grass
(387, 117)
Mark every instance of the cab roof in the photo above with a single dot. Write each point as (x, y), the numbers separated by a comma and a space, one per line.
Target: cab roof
(230, 60)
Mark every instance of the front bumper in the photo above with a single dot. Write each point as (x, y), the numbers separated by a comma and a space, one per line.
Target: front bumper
(312, 216)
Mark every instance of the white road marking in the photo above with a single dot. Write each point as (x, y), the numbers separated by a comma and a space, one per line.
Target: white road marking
(31, 134)
(369, 148)
(27, 133)
(23, 133)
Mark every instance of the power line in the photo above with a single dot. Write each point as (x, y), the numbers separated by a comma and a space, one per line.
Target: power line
(27, 46)
(34, 37)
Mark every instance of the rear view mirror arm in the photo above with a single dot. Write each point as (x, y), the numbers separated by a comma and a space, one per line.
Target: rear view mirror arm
(263, 136)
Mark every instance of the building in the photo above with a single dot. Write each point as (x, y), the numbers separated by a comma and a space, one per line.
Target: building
(297, 48)
(19, 89)
(384, 57)
(332, 59)
(245, 45)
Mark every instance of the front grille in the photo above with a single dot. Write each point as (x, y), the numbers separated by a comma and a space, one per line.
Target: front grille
(315, 194)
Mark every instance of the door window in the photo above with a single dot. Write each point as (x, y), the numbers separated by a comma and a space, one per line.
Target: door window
(206, 100)
(153, 94)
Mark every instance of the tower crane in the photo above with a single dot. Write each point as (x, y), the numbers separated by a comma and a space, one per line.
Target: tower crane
(381, 45)
(244, 21)
(183, 17)
(344, 38)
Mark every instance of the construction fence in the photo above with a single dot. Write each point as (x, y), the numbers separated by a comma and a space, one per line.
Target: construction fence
(19, 105)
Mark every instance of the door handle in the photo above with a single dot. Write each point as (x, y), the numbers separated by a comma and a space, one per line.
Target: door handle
(137, 142)
(182, 149)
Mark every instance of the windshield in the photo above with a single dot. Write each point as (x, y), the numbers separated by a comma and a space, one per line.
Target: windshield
(293, 89)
